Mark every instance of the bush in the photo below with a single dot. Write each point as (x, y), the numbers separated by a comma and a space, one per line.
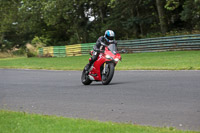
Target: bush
(30, 54)
(5, 55)
(31, 50)
(39, 42)
(19, 52)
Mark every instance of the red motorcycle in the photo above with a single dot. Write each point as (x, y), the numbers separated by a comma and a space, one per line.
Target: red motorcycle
(103, 68)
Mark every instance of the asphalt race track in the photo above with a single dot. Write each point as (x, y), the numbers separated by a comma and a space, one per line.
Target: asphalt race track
(157, 98)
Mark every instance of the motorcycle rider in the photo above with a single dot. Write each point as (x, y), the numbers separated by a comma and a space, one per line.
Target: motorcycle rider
(108, 38)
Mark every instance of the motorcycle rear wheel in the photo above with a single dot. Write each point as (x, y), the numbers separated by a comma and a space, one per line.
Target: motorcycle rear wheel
(85, 78)
(109, 75)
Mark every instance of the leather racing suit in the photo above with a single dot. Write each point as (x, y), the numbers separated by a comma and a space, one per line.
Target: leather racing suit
(97, 48)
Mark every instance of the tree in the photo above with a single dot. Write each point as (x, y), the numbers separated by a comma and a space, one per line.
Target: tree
(191, 14)
(62, 22)
(132, 19)
(161, 14)
(31, 21)
(8, 21)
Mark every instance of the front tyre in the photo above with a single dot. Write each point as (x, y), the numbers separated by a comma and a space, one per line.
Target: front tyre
(109, 74)
(85, 78)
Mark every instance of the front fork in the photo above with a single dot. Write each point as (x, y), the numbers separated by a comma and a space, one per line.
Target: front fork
(105, 69)
(103, 76)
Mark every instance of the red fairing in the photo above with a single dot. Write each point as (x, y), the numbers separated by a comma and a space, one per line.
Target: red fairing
(118, 56)
(107, 56)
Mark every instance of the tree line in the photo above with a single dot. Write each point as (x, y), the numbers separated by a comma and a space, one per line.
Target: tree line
(61, 22)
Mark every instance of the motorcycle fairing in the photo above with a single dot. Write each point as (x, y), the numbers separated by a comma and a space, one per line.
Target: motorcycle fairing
(96, 70)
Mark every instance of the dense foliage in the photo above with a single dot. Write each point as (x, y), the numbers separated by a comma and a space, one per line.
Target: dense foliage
(61, 22)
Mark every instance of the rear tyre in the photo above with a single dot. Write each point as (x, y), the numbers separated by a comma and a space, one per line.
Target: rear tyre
(85, 78)
(109, 74)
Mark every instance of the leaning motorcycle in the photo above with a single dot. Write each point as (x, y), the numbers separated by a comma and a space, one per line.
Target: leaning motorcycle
(103, 68)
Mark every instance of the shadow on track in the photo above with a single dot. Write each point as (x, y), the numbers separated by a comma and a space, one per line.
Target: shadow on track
(115, 83)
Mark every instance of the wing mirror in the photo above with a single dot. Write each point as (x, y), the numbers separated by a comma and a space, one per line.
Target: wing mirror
(123, 51)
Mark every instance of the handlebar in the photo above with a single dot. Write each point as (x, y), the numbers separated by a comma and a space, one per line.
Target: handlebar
(99, 51)
(102, 51)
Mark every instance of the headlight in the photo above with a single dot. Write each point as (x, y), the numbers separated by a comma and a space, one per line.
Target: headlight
(108, 57)
(116, 59)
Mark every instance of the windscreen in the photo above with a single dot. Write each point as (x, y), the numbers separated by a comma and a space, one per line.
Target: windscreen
(112, 48)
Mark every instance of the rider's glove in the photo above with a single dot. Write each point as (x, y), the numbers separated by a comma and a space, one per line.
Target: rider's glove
(97, 50)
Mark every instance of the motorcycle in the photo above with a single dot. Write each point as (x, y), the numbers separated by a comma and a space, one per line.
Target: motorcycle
(103, 68)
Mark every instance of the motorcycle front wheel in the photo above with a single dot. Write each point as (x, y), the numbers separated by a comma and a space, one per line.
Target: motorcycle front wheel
(109, 74)
(85, 78)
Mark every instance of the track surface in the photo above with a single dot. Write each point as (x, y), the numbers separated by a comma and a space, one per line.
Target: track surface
(157, 98)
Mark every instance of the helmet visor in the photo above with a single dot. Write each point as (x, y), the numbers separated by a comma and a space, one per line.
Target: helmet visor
(110, 38)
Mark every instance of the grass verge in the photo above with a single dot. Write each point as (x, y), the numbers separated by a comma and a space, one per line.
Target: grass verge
(19, 122)
(178, 60)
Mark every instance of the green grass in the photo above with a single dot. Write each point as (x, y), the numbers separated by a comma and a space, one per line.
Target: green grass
(179, 60)
(18, 122)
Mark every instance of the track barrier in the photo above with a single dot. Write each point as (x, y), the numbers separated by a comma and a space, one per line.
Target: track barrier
(171, 43)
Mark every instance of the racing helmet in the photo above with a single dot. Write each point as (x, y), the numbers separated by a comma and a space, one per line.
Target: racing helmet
(109, 36)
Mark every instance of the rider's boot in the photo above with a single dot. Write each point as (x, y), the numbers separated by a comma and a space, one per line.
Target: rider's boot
(87, 67)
